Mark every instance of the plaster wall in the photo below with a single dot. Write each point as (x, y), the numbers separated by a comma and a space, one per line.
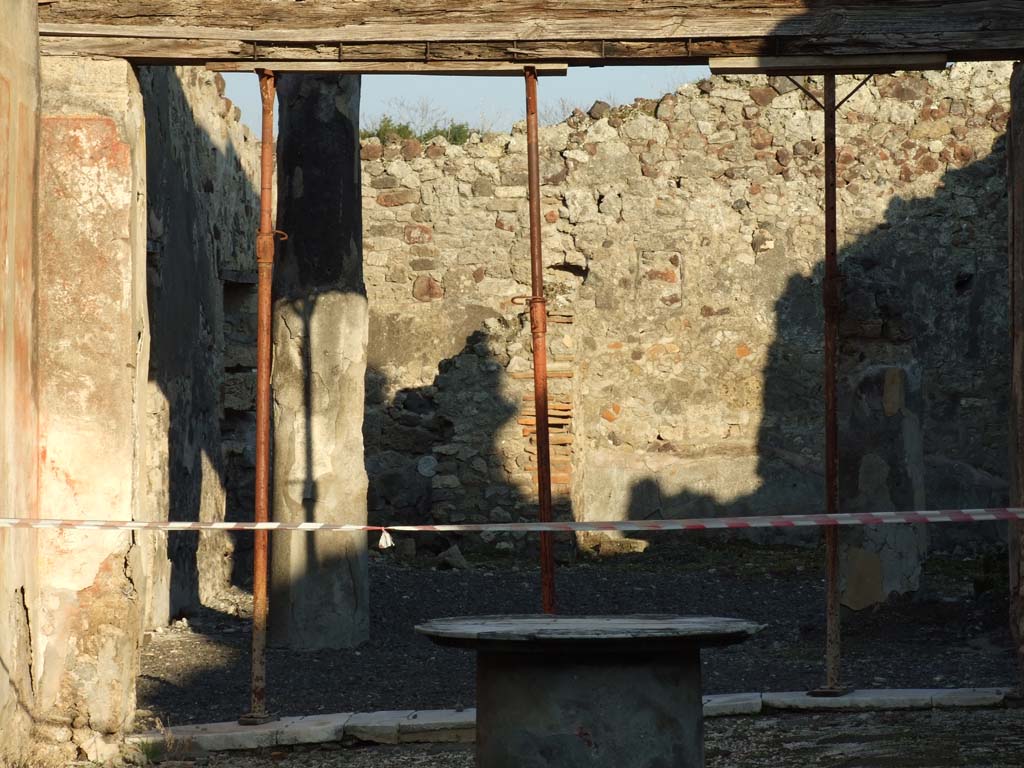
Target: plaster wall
(123, 433)
(93, 352)
(19, 99)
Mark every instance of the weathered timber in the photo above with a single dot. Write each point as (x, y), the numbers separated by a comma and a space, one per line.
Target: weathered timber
(592, 31)
(483, 69)
(160, 44)
(381, 20)
(817, 65)
(147, 49)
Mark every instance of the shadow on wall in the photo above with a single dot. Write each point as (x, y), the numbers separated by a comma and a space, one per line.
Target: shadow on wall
(203, 215)
(433, 452)
(196, 216)
(319, 581)
(920, 405)
(923, 381)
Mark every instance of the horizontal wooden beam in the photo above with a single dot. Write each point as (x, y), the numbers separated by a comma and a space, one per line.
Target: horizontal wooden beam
(574, 31)
(826, 65)
(181, 50)
(489, 69)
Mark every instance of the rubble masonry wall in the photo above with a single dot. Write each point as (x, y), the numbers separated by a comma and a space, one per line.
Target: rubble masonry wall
(683, 240)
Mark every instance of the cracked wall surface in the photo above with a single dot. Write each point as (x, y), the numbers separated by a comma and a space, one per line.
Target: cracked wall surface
(19, 100)
(93, 353)
(118, 437)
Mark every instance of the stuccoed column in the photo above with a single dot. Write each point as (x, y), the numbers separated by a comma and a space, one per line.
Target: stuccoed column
(319, 595)
(19, 450)
(92, 351)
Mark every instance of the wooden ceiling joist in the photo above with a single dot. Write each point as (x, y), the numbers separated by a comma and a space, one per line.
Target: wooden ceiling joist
(517, 31)
(487, 69)
(826, 65)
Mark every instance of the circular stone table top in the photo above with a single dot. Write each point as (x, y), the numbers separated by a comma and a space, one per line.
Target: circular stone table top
(652, 630)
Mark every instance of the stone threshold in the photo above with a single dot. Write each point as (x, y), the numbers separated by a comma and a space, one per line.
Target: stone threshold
(459, 726)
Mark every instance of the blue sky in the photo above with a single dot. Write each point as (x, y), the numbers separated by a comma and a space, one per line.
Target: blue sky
(493, 103)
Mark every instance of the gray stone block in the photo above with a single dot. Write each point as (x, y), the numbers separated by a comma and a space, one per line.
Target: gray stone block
(439, 725)
(377, 727)
(721, 705)
(969, 697)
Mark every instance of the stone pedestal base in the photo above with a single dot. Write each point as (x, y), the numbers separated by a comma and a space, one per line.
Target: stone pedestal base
(594, 691)
(572, 710)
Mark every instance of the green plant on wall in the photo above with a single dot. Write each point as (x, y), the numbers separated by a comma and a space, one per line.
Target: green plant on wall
(389, 129)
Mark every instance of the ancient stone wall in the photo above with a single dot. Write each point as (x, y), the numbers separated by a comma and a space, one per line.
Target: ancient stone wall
(683, 242)
(19, 117)
(203, 192)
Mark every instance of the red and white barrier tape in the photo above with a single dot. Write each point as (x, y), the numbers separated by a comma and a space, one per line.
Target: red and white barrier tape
(691, 524)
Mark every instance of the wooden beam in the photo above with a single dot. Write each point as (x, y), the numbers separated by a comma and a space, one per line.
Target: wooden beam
(147, 50)
(832, 65)
(174, 50)
(595, 31)
(377, 20)
(491, 69)
(576, 53)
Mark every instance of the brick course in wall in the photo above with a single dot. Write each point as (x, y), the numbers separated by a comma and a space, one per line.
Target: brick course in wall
(684, 237)
(683, 241)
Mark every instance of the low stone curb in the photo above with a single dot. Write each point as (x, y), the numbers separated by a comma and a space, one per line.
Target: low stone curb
(459, 726)
(895, 698)
(391, 727)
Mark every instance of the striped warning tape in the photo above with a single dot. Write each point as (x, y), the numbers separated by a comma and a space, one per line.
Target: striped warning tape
(691, 524)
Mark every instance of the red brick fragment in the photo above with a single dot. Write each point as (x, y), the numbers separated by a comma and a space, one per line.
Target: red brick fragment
(426, 288)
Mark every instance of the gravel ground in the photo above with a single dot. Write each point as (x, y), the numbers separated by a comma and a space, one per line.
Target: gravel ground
(954, 633)
(936, 739)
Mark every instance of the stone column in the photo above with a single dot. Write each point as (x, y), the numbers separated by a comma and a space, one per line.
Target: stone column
(19, 114)
(93, 353)
(319, 581)
(881, 467)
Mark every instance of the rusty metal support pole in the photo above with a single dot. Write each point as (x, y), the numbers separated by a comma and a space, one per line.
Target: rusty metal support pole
(831, 299)
(538, 327)
(265, 267)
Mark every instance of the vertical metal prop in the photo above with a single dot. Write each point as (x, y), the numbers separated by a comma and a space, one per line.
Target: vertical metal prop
(265, 266)
(538, 326)
(831, 298)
